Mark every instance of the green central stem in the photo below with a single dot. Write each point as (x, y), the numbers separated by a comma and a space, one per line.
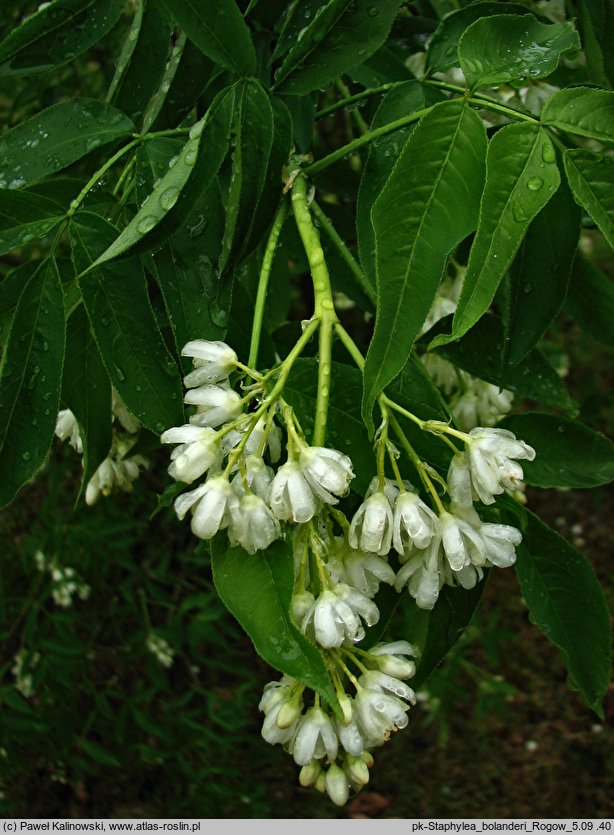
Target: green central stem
(324, 307)
(263, 284)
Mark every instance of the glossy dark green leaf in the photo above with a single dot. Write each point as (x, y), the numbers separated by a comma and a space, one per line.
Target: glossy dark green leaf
(152, 163)
(538, 278)
(56, 33)
(340, 35)
(345, 429)
(591, 177)
(133, 351)
(521, 177)
(480, 352)
(142, 63)
(217, 28)
(57, 137)
(442, 52)
(171, 200)
(189, 81)
(416, 226)
(383, 67)
(569, 454)
(31, 378)
(253, 128)
(25, 216)
(273, 184)
(86, 391)
(495, 50)
(590, 301)
(190, 281)
(257, 590)
(566, 601)
(156, 102)
(10, 291)
(409, 97)
(296, 18)
(596, 22)
(436, 632)
(583, 111)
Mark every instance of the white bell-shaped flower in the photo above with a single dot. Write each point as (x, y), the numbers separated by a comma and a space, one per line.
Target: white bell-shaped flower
(351, 737)
(382, 682)
(328, 471)
(378, 714)
(500, 543)
(422, 575)
(216, 405)
(276, 691)
(316, 738)
(361, 570)
(492, 455)
(198, 451)
(213, 361)
(257, 475)
(291, 497)
(253, 526)
(462, 544)
(414, 523)
(213, 511)
(371, 526)
(67, 428)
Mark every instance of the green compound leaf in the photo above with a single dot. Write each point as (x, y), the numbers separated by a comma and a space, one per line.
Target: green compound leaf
(31, 379)
(521, 177)
(25, 216)
(257, 589)
(417, 222)
(583, 111)
(86, 391)
(481, 352)
(217, 28)
(495, 50)
(409, 97)
(590, 301)
(442, 51)
(591, 177)
(341, 35)
(57, 33)
(133, 351)
(57, 137)
(171, 199)
(566, 601)
(538, 278)
(569, 454)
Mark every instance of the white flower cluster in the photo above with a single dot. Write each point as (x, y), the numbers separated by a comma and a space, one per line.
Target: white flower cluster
(337, 575)
(66, 582)
(241, 493)
(334, 751)
(455, 546)
(119, 469)
(473, 402)
(160, 649)
(23, 666)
